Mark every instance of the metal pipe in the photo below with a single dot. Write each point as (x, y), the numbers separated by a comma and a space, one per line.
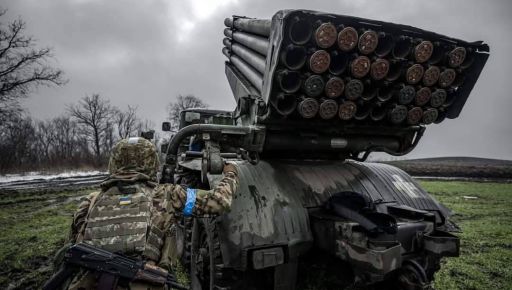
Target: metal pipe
(438, 54)
(398, 114)
(353, 89)
(438, 98)
(406, 94)
(360, 66)
(254, 59)
(386, 44)
(334, 87)
(362, 112)
(423, 96)
(414, 116)
(314, 85)
(431, 76)
(423, 51)
(379, 69)
(430, 116)
(252, 75)
(347, 110)
(325, 35)
(256, 26)
(385, 93)
(402, 47)
(368, 42)
(339, 62)
(319, 61)
(300, 30)
(254, 42)
(378, 112)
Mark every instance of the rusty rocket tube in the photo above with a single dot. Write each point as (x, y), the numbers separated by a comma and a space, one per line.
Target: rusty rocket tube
(328, 109)
(423, 51)
(414, 74)
(431, 76)
(348, 38)
(423, 96)
(326, 35)
(308, 107)
(334, 87)
(347, 110)
(252, 75)
(456, 56)
(284, 104)
(256, 26)
(368, 42)
(414, 115)
(289, 81)
(254, 42)
(379, 69)
(360, 66)
(319, 61)
(294, 56)
(254, 59)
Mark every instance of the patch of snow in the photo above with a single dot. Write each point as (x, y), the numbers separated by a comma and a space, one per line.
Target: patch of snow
(33, 175)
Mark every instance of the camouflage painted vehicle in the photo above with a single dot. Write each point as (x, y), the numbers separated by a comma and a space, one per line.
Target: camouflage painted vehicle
(316, 93)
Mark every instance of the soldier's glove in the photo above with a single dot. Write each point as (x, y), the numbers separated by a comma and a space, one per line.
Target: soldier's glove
(230, 168)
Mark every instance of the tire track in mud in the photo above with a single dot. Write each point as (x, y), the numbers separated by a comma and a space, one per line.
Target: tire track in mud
(58, 183)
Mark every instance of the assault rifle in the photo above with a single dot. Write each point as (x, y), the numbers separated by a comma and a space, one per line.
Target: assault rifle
(112, 267)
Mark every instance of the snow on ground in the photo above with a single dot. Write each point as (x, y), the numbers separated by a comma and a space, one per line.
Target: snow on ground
(39, 175)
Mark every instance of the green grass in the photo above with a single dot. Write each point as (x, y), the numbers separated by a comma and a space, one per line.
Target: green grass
(35, 225)
(486, 240)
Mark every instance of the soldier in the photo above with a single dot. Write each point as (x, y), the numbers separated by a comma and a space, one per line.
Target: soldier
(132, 214)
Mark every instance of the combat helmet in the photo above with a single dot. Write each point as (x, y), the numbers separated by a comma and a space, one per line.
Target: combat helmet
(134, 154)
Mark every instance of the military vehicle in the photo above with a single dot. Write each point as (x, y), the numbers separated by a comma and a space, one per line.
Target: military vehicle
(316, 93)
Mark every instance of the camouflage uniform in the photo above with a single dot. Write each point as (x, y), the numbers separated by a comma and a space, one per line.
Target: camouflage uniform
(132, 214)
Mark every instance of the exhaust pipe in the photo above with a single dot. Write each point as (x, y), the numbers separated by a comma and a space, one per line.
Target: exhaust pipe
(423, 96)
(319, 61)
(308, 107)
(289, 81)
(379, 69)
(254, 59)
(251, 25)
(353, 89)
(423, 51)
(347, 110)
(431, 76)
(368, 42)
(314, 86)
(328, 109)
(325, 35)
(414, 74)
(360, 66)
(294, 57)
(254, 42)
(348, 39)
(414, 116)
(334, 87)
(285, 104)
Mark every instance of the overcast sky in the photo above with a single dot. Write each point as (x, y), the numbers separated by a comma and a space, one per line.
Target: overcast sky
(144, 53)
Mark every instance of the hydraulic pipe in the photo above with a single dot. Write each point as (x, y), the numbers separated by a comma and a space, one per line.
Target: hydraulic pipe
(252, 75)
(254, 59)
(254, 42)
(251, 25)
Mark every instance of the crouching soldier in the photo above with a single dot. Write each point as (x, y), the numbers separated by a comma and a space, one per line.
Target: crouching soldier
(132, 214)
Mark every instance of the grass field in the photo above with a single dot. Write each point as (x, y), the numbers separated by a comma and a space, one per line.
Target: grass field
(35, 225)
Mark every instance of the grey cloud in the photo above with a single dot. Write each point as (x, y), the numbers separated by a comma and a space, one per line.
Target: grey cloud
(146, 52)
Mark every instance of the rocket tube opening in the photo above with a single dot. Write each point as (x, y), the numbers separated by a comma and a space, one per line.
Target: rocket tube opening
(294, 57)
(347, 39)
(450, 98)
(429, 116)
(423, 96)
(353, 89)
(414, 116)
(314, 86)
(368, 42)
(457, 56)
(406, 95)
(468, 61)
(339, 62)
(402, 47)
(370, 92)
(385, 93)
(395, 70)
(347, 110)
(379, 69)
(441, 115)
(438, 53)
(423, 51)
(308, 108)
(334, 87)
(289, 81)
(362, 112)
(285, 104)
(378, 112)
(398, 114)
(326, 35)
(431, 76)
(386, 44)
(319, 61)
(300, 31)
(438, 98)
(328, 109)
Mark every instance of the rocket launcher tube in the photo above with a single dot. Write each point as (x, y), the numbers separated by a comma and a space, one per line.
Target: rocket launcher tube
(252, 75)
(255, 60)
(251, 25)
(254, 42)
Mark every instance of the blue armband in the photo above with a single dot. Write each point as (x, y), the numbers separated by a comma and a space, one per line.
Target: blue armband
(190, 203)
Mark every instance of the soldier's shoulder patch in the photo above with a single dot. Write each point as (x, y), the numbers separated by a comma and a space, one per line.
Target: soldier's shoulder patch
(124, 200)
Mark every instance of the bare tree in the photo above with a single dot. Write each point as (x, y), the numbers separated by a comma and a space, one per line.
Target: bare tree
(127, 122)
(182, 103)
(23, 66)
(94, 115)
